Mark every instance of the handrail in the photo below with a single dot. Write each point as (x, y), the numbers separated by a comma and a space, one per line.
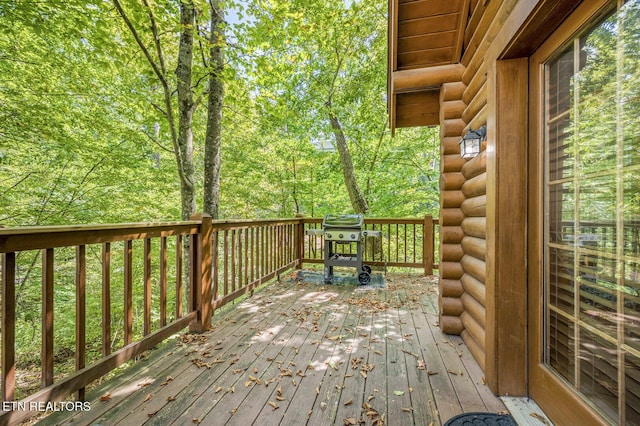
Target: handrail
(226, 259)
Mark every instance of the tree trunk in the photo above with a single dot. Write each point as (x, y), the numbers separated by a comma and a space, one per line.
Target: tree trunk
(358, 202)
(212, 157)
(185, 106)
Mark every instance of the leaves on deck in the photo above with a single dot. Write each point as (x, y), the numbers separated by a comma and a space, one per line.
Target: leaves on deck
(340, 358)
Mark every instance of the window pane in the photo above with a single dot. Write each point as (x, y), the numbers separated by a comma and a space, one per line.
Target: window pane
(632, 397)
(561, 217)
(599, 372)
(561, 293)
(560, 350)
(596, 109)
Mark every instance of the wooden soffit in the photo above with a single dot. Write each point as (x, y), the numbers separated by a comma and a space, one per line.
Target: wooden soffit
(425, 45)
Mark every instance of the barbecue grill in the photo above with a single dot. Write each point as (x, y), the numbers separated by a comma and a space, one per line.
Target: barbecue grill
(342, 231)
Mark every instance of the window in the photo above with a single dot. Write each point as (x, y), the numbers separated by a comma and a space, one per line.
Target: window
(592, 215)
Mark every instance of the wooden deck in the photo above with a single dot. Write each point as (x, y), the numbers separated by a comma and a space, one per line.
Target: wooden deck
(303, 353)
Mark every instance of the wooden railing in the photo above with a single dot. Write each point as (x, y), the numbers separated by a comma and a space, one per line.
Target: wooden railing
(47, 243)
(405, 243)
(175, 274)
(247, 254)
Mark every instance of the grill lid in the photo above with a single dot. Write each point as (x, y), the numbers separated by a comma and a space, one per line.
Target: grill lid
(342, 221)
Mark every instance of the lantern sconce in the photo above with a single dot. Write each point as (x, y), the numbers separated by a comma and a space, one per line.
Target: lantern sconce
(471, 142)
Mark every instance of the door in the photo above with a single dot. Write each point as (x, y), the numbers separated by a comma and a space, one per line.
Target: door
(584, 243)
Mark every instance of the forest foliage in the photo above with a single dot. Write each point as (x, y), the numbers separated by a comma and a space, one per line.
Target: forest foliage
(83, 139)
(84, 135)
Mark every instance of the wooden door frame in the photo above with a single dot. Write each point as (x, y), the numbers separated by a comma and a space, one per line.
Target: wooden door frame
(523, 25)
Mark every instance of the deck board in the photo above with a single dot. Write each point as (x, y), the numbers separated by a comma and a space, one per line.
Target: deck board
(302, 352)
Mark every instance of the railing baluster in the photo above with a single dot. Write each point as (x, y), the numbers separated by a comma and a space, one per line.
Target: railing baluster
(246, 256)
(215, 241)
(81, 312)
(194, 274)
(253, 254)
(225, 256)
(106, 299)
(147, 286)
(8, 363)
(128, 290)
(163, 281)
(233, 259)
(179, 276)
(240, 257)
(47, 317)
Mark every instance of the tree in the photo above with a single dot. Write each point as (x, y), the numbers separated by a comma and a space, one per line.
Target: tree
(213, 139)
(181, 133)
(318, 74)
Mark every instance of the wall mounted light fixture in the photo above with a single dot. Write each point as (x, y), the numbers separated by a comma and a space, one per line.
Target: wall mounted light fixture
(471, 142)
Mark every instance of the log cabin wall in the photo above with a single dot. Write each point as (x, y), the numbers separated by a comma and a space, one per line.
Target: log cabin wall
(463, 194)
(451, 215)
(489, 291)
(474, 247)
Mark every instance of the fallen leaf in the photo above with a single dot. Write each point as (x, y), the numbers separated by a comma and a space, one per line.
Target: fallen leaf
(274, 405)
(148, 397)
(106, 397)
(218, 389)
(407, 409)
(349, 402)
(196, 420)
(171, 398)
(398, 393)
(539, 417)
(350, 421)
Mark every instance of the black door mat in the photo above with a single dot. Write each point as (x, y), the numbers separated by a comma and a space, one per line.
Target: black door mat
(340, 278)
(481, 419)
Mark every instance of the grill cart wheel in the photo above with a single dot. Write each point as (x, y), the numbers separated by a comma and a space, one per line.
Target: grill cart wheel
(364, 278)
(367, 269)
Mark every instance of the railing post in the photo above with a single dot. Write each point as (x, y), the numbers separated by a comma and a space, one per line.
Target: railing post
(8, 323)
(201, 274)
(47, 317)
(299, 240)
(427, 245)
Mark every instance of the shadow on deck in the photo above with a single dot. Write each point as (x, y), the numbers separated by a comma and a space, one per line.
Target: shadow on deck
(303, 352)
